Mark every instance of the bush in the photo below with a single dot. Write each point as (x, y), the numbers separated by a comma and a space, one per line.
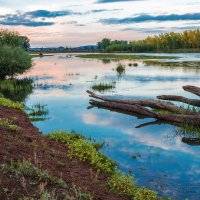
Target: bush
(145, 194)
(13, 61)
(84, 150)
(121, 183)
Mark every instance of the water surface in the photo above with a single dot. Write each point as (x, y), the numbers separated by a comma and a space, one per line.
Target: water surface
(155, 154)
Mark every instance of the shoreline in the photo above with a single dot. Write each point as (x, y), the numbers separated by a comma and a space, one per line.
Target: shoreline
(26, 154)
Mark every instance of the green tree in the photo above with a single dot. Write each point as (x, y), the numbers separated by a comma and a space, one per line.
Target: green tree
(13, 61)
(13, 39)
(104, 44)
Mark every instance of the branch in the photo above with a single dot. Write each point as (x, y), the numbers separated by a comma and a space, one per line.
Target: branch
(193, 102)
(192, 89)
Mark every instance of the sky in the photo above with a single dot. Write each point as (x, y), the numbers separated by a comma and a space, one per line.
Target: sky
(74, 23)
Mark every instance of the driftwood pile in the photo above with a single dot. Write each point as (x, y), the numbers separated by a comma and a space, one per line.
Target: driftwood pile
(147, 108)
(162, 111)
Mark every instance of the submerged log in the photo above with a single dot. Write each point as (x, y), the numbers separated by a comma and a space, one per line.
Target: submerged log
(190, 119)
(147, 103)
(192, 89)
(191, 141)
(193, 102)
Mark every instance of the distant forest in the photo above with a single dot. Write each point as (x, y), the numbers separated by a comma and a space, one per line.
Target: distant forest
(189, 39)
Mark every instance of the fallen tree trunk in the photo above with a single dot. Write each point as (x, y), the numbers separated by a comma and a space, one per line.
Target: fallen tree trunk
(192, 89)
(193, 102)
(147, 103)
(190, 119)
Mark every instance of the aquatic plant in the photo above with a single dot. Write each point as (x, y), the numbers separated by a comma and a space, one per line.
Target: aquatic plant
(37, 112)
(103, 86)
(120, 69)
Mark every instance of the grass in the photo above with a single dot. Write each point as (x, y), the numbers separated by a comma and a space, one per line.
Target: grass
(172, 64)
(123, 56)
(118, 182)
(10, 104)
(120, 69)
(34, 176)
(84, 150)
(103, 86)
(6, 123)
(19, 169)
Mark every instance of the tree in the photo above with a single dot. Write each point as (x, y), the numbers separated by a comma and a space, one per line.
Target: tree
(13, 61)
(104, 44)
(13, 39)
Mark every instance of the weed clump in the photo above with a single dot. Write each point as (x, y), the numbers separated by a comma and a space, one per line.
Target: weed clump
(84, 150)
(19, 169)
(122, 184)
(6, 123)
(120, 69)
(10, 104)
(103, 86)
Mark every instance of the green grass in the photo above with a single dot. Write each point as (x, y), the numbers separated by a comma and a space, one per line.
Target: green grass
(118, 182)
(19, 169)
(10, 104)
(103, 86)
(6, 123)
(191, 64)
(123, 56)
(33, 176)
(84, 150)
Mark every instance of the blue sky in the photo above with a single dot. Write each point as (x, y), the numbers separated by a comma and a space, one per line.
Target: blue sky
(81, 22)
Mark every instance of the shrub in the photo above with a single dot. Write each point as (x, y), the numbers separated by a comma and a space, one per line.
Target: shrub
(122, 184)
(13, 61)
(145, 194)
(84, 150)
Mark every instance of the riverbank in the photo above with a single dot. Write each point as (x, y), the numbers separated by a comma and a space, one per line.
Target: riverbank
(34, 166)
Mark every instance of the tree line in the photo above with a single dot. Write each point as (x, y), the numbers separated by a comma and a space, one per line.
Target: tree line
(189, 39)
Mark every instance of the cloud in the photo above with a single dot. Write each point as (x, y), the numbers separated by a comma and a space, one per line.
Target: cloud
(49, 14)
(113, 1)
(34, 18)
(146, 18)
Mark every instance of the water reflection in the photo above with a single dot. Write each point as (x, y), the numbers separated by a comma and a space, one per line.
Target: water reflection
(163, 162)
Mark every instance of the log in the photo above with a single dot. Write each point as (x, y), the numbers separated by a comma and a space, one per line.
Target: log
(193, 102)
(191, 141)
(174, 118)
(147, 103)
(192, 89)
